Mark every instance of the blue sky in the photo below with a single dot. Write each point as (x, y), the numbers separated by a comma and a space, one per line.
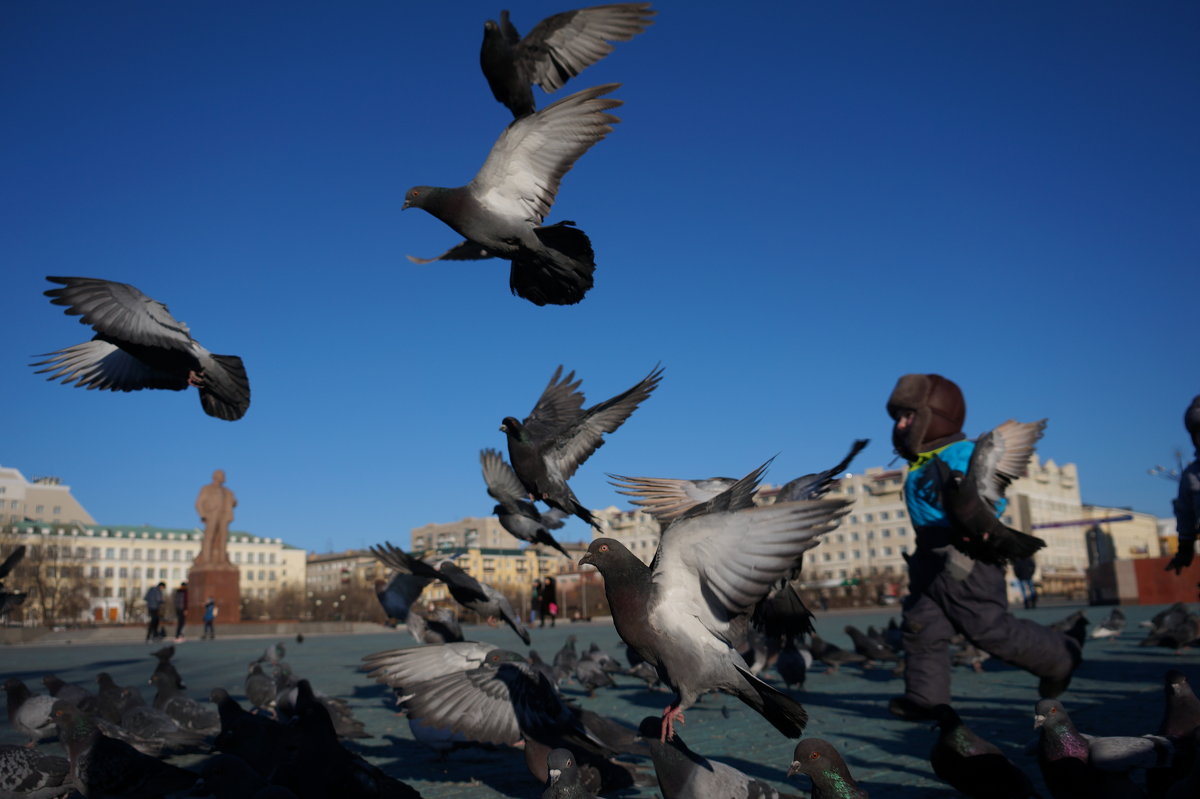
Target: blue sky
(802, 202)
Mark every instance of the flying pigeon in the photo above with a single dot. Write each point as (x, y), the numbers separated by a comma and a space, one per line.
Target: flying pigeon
(558, 436)
(437, 626)
(557, 49)
(138, 344)
(516, 513)
(684, 774)
(713, 565)
(404, 668)
(1110, 627)
(821, 763)
(1000, 456)
(972, 766)
(398, 595)
(472, 594)
(502, 210)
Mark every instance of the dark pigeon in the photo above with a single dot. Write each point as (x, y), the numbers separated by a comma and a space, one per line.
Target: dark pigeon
(273, 654)
(1111, 627)
(11, 600)
(833, 655)
(564, 778)
(101, 766)
(972, 766)
(78, 696)
(821, 763)
(546, 670)
(138, 344)
(1000, 456)
(258, 740)
(229, 777)
(792, 665)
(1178, 636)
(27, 773)
(186, 712)
(112, 700)
(606, 661)
(28, 714)
(713, 565)
(472, 594)
(873, 651)
(516, 513)
(260, 688)
(684, 774)
(1166, 618)
(400, 593)
(164, 656)
(287, 694)
(591, 676)
(565, 659)
(149, 729)
(557, 49)
(1065, 758)
(502, 210)
(558, 435)
(440, 626)
(1180, 723)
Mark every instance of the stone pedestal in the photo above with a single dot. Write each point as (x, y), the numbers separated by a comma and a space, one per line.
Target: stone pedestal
(221, 582)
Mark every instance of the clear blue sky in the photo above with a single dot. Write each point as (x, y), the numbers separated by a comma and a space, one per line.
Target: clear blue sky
(803, 201)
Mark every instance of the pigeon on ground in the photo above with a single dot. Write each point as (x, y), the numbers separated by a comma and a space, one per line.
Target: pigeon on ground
(1166, 618)
(77, 695)
(565, 659)
(1000, 456)
(29, 773)
(1180, 722)
(186, 712)
(1185, 633)
(713, 565)
(149, 730)
(557, 49)
(101, 766)
(833, 655)
(591, 676)
(1067, 623)
(164, 656)
(112, 700)
(1110, 627)
(967, 654)
(260, 688)
(546, 670)
(565, 780)
(1065, 758)
(558, 436)
(477, 597)
(874, 651)
(28, 714)
(138, 344)
(287, 694)
(516, 513)
(821, 763)
(684, 774)
(606, 661)
(437, 626)
(792, 664)
(258, 740)
(647, 674)
(229, 777)
(273, 654)
(501, 211)
(972, 766)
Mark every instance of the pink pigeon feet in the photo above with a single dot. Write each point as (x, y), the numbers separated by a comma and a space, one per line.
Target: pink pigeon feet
(670, 716)
(195, 378)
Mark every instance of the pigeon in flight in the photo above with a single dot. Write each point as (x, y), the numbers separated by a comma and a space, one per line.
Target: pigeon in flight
(1000, 456)
(516, 513)
(501, 211)
(558, 436)
(556, 50)
(138, 344)
(713, 565)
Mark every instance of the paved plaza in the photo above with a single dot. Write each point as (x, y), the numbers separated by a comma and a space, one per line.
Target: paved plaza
(1118, 690)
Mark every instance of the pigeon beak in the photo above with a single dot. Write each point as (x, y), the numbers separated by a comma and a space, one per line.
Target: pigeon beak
(794, 769)
(586, 559)
(1038, 721)
(554, 775)
(503, 428)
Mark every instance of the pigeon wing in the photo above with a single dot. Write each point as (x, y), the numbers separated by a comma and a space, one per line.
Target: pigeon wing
(11, 561)
(1002, 456)
(502, 482)
(393, 557)
(100, 364)
(120, 311)
(667, 498)
(466, 251)
(560, 404)
(575, 444)
(521, 175)
(560, 47)
(815, 486)
(401, 668)
(472, 703)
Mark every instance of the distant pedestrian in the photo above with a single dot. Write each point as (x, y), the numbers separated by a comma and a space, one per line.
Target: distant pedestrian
(1187, 503)
(154, 603)
(1023, 570)
(210, 615)
(549, 601)
(535, 599)
(181, 606)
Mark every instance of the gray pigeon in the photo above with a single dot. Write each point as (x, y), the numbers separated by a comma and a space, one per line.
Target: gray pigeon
(713, 565)
(557, 49)
(833, 655)
(558, 435)
(440, 626)
(138, 344)
(516, 513)
(404, 668)
(684, 774)
(565, 780)
(1066, 760)
(818, 760)
(501, 211)
(26, 773)
(186, 712)
(1110, 627)
(29, 714)
(260, 688)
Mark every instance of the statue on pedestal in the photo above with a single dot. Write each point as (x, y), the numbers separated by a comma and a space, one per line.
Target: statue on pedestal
(215, 505)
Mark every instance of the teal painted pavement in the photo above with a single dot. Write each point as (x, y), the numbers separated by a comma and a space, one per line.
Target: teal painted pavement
(1116, 691)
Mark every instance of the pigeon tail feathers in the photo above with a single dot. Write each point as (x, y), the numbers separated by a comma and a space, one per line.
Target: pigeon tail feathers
(784, 713)
(561, 273)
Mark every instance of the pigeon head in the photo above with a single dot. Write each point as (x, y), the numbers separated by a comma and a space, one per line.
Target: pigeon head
(1050, 714)
(814, 756)
(558, 761)
(72, 723)
(928, 411)
(1191, 420)
(608, 553)
(499, 656)
(429, 198)
(512, 428)
(1176, 683)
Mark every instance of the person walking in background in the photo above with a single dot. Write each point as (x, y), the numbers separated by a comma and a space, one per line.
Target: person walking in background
(548, 601)
(949, 590)
(535, 601)
(1187, 503)
(181, 606)
(154, 603)
(1023, 570)
(210, 615)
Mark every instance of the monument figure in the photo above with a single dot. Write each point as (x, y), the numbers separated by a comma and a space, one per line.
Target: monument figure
(215, 505)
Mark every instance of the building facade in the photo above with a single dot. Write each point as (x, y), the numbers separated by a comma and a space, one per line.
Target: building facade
(43, 499)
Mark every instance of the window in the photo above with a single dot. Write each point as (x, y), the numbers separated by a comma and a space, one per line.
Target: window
(80, 553)
(272, 558)
(853, 519)
(123, 571)
(857, 554)
(57, 509)
(899, 514)
(137, 554)
(886, 532)
(262, 575)
(870, 517)
(40, 508)
(249, 575)
(175, 554)
(51, 572)
(108, 571)
(271, 575)
(121, 591)
(137, 572)
(95, 572)
(854, 536)
(237, 557)
(262, 557)
(124, 553)
(162, 554)
(883, 516)
(150, 553)
(841, 539)
(825, 557)
(871, 552)
(108, 553)
(887, 551)
(842, 555)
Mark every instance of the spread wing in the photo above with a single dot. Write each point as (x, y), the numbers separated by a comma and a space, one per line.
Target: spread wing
(11, 561)
(120, 312)
(573, 445)
(521, 175)
(560, 403)
(815, 486)
(502, 482)
(466, 251)
(100, 364)
(1002, 456)
(560, 47)
(667, 498)
(402, 668)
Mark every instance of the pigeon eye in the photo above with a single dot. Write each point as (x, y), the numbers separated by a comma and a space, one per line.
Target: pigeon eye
(814, 755)
(604, 547)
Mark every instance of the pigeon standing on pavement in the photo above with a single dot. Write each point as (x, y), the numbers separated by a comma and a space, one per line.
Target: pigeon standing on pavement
(28, 714)
(792, 664)
(557, 49)
(972, 766)
(164, 656)
(516, 513)
(31, 774)
(873, 651)
(833, 655)
(138, 344)
(186, 712)
(712, 567)
(1110, 627)
(818, 760)
(558, 436)
(1065, 758)
(501, 211)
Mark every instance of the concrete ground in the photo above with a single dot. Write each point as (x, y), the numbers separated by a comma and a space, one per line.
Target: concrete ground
(1117, 690)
